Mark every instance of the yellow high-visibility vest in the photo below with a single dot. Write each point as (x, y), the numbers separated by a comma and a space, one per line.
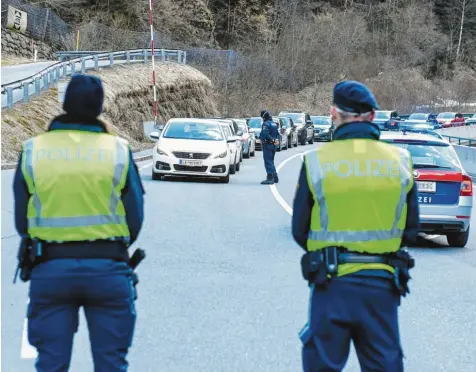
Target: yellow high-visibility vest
(360, 188)
(75, 179)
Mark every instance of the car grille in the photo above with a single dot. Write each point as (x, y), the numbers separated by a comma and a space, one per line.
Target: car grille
(188, 168)
(195, 155)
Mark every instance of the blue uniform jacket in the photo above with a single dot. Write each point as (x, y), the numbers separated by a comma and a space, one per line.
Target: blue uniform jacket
(269, 131)
(304, 201)
(132, 194)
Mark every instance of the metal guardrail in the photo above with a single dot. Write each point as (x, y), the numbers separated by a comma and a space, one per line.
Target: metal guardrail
(470, 142)
(49, 77)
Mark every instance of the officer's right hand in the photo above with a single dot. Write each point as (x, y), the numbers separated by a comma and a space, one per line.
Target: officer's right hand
(276, 142)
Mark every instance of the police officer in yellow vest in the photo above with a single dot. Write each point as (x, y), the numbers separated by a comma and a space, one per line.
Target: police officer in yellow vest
(354, 209)
(78, 195)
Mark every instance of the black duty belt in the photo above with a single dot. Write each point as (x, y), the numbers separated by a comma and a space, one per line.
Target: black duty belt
(319, 265)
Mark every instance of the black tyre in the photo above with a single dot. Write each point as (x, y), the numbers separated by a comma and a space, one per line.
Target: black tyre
(311, 141)
(233, 169)
(302, 142)
(252, 153)
(156, 177)
(458, 239)
(247, 154)
(290, 141)
(238, 167)
(225, 179)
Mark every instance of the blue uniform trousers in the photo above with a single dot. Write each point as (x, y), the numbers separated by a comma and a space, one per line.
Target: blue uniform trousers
(269, 150)
(104, 289)
(359, 309)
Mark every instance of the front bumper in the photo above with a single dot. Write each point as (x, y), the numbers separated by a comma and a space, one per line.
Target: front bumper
(170, 166)
(321, 135)
(438, 219)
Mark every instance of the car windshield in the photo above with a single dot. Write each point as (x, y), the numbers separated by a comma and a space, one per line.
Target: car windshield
(297, 118)
(242, 127)
(446, 115)
(255, 123)
(418, 117)
(474, 116)
(194, 131)
(431, 156)
(321, 120)
(382, 115)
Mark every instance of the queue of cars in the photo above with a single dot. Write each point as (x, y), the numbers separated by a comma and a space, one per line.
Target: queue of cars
(216, 147)
(390, 120)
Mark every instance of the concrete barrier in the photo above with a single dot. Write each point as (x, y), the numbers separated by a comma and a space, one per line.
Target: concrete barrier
(468, 131)
(467, 156)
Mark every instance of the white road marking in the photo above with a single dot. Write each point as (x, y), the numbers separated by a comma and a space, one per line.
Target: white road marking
(27, 351)
(274, 189)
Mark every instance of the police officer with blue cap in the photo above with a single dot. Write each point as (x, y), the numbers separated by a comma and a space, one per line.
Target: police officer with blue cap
(269, 140)
(78, 208)
(355, 208)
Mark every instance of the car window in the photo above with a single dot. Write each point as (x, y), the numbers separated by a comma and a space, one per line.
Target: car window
(242, 127)
(285, 122)
(255, 123)
(298, 118)
(418, 117)
(227, 131)
(431, 156)
(321, 120)
(194, 131)
(382, 115)
(446, 115)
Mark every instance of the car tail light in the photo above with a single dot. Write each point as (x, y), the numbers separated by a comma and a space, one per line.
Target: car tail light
(466, 186)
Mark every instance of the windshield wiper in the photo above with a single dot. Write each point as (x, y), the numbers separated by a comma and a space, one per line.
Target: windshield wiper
(429, 166)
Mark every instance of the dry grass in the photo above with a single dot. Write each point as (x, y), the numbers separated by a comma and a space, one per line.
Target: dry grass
(182, 92)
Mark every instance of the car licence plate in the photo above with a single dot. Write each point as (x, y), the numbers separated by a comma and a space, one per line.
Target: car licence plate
(192, 163)
(426, 186)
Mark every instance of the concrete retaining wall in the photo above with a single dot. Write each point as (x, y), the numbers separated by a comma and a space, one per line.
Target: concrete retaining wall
(467, 155)
(463, 132)
(14, 43)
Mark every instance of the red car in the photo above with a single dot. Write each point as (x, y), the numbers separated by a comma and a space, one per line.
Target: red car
(450, 119)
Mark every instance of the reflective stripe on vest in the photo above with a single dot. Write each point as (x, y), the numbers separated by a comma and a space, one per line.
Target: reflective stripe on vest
(113, 218)
(317, 176)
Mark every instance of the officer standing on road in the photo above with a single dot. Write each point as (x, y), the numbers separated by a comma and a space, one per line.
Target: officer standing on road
(79, 198)
(355, 207)
(269, 140)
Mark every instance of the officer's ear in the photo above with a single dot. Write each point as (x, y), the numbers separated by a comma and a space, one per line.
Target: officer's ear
(372, 115)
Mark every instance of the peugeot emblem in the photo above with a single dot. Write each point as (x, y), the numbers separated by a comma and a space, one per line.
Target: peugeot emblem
(416, 174)
(190, 156)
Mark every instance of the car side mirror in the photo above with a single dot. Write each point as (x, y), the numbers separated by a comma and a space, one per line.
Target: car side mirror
(282, 130)
(154, 135)
(239, 133)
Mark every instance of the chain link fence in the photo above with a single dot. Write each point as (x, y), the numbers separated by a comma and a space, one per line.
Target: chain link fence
(42, 23)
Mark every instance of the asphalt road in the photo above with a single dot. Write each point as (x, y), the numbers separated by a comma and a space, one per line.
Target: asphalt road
(17, 72)
(221, 289)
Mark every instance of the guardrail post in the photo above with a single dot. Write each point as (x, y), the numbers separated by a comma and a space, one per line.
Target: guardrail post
(73, 68)
(111, 59)
(58, 73)
(83, 65)
(184, 57)
(52, 79)
(45, 81)
(145, 55)
(65, 70)
(96, 62)
(26, 92)
(9, 97)
(163, 54)
(128, 57)
(37, 86)
(179, 56)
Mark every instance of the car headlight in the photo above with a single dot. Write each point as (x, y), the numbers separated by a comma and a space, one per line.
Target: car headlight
(161, 152)
(220, 155)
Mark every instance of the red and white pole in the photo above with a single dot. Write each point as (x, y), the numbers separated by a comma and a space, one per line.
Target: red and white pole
(153, 59)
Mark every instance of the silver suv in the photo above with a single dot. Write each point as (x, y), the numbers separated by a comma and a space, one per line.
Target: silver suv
(303, 124)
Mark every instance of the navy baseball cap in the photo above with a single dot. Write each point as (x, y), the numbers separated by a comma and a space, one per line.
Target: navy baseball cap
(84, 96)
(352, 96)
